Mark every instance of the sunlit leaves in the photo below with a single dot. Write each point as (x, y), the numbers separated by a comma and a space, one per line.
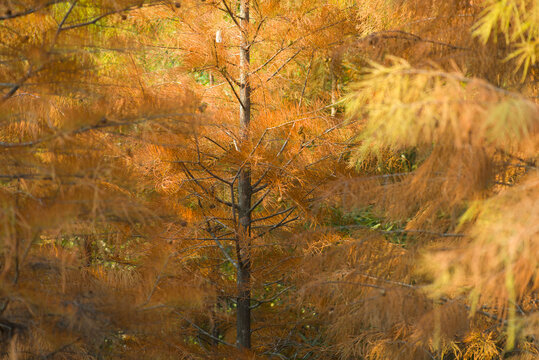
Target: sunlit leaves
(407, 107)
(518, 22)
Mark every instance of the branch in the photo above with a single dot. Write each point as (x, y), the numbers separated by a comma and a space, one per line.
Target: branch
(262, 187)
(306, 78)
(59, 350)
(214, 175)
(292, 43)
(17, 86)
(273, 215)
(269, 60)
(223, 250)
(282, 223)
(259, 201)
(412, 37)
(229, 81)
(257, 31)
(283, 65)
(157, 279)
(202, 330)
(403, 231)
(96, 19)
(264, 301)
(232, 15)
(30, 11)
(215, 143)
(206, 190)
(63, 22)
(103, 123)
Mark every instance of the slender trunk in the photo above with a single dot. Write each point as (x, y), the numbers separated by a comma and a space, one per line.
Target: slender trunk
(334, 87)
(87, 250)
(243, 242)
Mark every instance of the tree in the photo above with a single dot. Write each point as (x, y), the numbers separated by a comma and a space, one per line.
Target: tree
(230, 168)
(447, 139)
(71, 205)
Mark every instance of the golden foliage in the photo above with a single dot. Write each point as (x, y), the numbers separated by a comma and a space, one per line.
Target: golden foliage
(405, 229)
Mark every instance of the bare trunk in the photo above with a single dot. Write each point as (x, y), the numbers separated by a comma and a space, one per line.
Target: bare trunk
(334, 87)
(87, 251)
(243, 242)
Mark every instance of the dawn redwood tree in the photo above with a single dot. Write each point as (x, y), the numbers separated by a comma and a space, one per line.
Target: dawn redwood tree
(253, 146)
(252, 34)
(446, 152)
(248, 51)
(71, 203)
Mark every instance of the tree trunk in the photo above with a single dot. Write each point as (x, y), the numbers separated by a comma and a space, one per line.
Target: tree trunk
(243, 241)
(334, 86)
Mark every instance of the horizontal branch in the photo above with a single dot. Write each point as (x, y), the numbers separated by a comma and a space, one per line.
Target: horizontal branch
(103, 123)
(265, 301)
(381, 288)
(402, 231)
(411, 37)
(31, 10)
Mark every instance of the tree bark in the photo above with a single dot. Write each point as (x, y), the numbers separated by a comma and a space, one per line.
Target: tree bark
(243, 242)
(334, 86)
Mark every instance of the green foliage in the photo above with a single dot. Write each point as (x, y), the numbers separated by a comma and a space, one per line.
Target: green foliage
(348, 222)
(517, 22)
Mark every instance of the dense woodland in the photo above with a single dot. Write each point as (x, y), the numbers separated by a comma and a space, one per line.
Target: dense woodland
(269, 179)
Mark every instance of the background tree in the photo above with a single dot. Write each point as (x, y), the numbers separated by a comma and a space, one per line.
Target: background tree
(448, 137)
(72, 204)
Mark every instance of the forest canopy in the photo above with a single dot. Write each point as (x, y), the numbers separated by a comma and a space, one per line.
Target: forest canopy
(265, 179)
